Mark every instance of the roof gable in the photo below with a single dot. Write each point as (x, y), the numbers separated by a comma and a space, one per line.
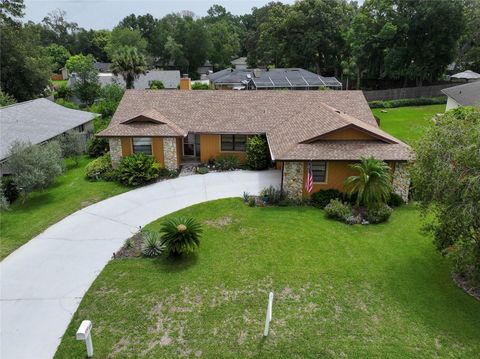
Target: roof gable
(350, 132)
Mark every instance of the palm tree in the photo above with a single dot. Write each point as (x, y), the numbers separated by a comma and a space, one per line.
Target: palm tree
(373, 183)
(128, 63)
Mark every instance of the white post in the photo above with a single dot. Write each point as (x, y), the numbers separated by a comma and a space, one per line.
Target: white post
(84, 333)
(269, 314)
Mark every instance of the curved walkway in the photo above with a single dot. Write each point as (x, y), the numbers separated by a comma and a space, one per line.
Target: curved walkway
(43, 282)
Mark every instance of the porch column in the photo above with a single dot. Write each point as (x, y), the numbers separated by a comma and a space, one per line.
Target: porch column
(170, 153)
(293, 180)
(115, 150)
(401, 180)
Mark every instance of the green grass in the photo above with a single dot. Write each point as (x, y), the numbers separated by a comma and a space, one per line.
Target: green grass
(58, 83)
(41, 209)
(407, 123)
(340, 291)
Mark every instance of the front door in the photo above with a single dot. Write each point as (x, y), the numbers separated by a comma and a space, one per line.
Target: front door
(191, 145)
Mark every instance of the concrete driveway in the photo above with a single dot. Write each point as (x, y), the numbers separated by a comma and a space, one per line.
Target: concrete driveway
(43, 282)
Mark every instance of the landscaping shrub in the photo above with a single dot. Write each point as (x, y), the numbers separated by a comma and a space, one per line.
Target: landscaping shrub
(271, 195)
(378, 214)
(9, 189)
(64, 92)
(152, 245)
(466, 259)
(138, 169)
(257, 153)
(200, 86)
(97, 146)
(421, 101)
(100, 168)
(338, 210)
(71, 145)
(227, 162)
(4, 205)
(202, 170)
(395, 200)
(156, 85)
(181, 235)
(67, 104)
(35, 167)
(251, 201)
(323, 197)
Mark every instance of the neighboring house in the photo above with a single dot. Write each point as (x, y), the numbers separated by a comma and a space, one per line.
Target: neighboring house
(463, 95)
(205, 69)
(240, 63)
(170, 79)
(268, 79)
(38, 121)
(331, 128)
(102, 66)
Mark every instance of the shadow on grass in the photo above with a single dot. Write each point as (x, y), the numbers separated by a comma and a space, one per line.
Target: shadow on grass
(175, 264)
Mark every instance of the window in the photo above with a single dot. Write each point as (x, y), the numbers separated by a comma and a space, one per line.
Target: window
(81, 128)
(142, 145)
(319, 171)
(233, 142)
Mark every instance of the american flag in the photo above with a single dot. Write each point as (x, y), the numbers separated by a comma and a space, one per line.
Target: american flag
(309, 183)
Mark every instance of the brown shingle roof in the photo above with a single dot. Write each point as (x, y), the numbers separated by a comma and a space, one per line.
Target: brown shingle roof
(286, 117)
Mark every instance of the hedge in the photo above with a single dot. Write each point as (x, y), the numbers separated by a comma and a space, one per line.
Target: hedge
(421, 101)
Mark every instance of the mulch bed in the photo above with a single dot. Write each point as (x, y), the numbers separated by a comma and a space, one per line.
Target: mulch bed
(462, 283)
(133, 251)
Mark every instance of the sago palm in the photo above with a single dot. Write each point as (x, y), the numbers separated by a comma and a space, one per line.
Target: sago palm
(128, 63)
(181, 235)
(372, 185)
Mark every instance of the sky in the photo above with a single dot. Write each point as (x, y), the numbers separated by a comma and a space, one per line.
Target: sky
(105, 14)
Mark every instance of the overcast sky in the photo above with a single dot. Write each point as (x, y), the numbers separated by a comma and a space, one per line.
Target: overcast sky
(105, 14)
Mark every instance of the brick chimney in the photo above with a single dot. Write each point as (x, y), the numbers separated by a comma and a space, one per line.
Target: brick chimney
(185, 82)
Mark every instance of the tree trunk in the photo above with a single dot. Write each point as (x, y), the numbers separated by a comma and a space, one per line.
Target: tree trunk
(358, 79)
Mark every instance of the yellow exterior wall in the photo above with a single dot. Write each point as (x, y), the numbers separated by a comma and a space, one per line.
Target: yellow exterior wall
(157, 149)
(179, 150)
(210, 148)
(348, 134)
(126, 146)
(337, 172)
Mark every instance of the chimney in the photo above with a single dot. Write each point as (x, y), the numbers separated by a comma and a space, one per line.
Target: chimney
(185, 82)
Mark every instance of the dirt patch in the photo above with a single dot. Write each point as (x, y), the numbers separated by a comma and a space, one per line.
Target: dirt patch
(462, 283)
(132, 248)
(220, 222)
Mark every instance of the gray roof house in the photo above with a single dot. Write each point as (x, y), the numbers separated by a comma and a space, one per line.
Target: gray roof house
(267, 79)
(38, 121)
(463, 95)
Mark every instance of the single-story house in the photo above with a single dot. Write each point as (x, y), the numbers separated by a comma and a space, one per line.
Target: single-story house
(169, 78)
(463, 95)
(331, 128)
(38, 121)
(271, 79)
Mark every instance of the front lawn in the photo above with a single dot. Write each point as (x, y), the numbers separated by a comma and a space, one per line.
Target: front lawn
(71, 192)
(377, 291)
(407, 123)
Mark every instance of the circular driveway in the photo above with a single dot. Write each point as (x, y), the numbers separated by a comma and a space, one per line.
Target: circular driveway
(43, 282)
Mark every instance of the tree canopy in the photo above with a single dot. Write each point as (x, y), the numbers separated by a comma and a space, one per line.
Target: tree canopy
(446, 176)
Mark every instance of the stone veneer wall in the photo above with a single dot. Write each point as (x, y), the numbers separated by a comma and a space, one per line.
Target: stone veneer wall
(293, 180)
(401, 180)
(115, 150)
(170, 153)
